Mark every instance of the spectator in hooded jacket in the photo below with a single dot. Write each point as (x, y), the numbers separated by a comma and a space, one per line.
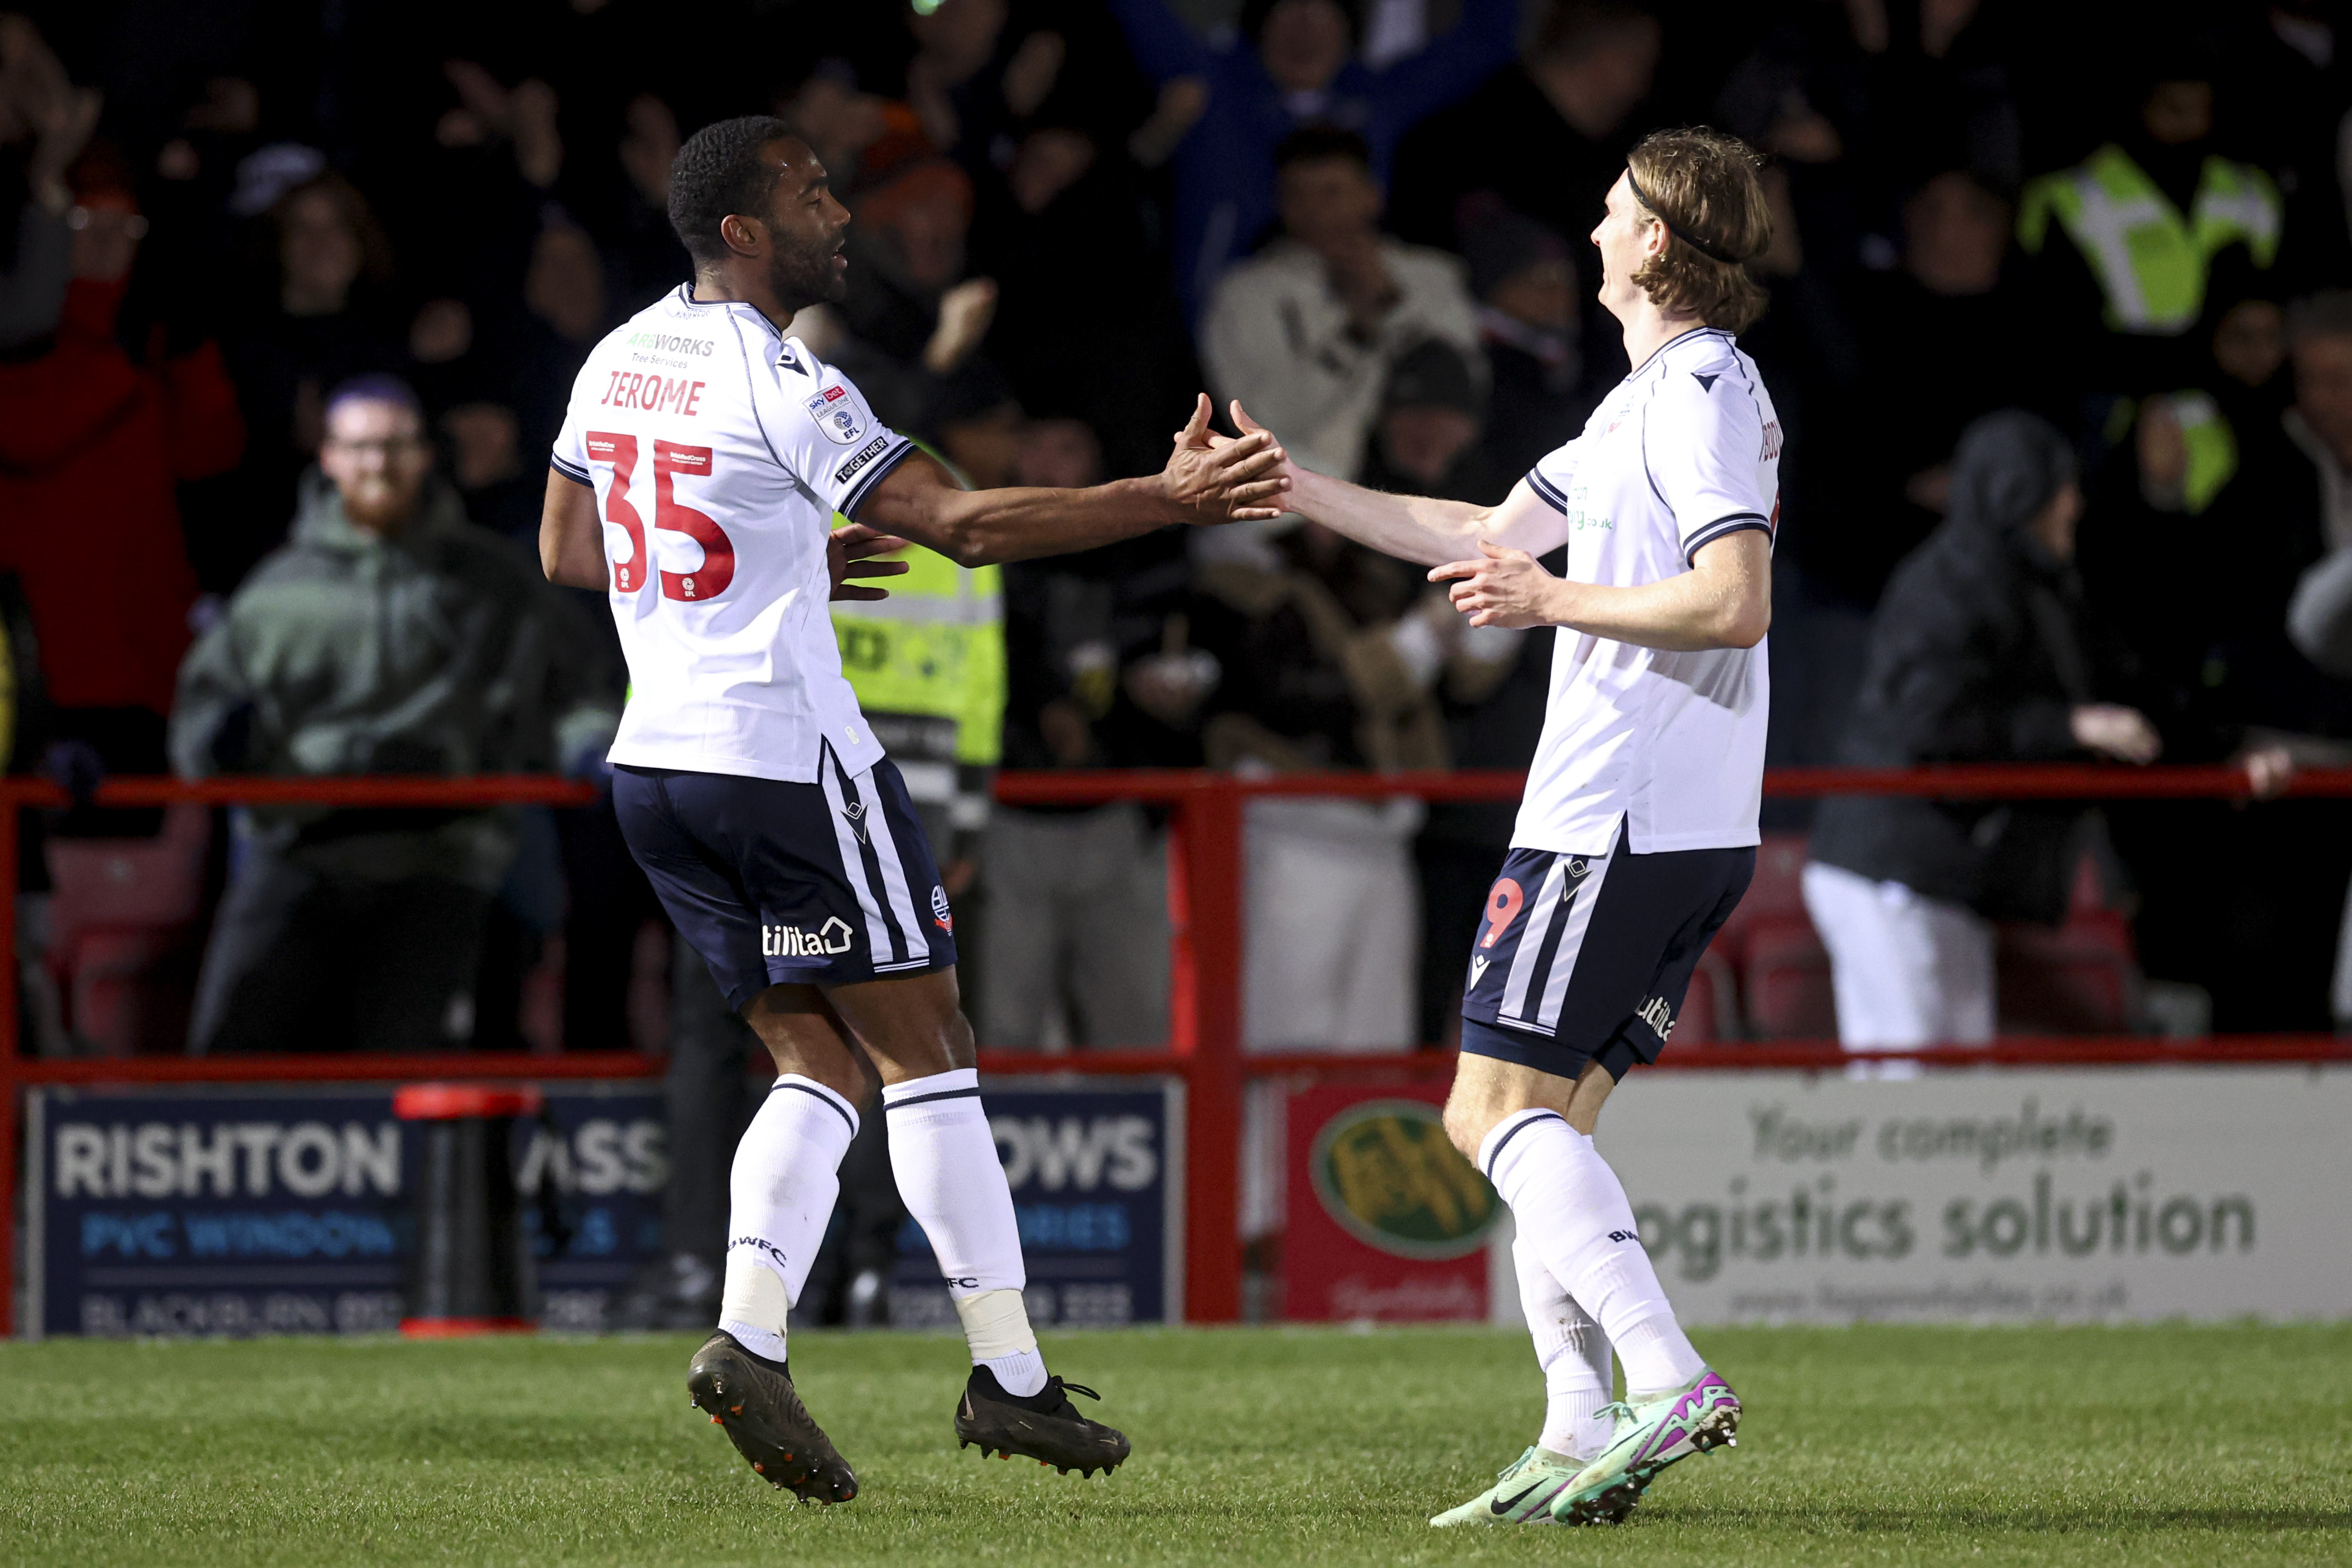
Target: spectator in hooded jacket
(1980, 653)
(388, 635)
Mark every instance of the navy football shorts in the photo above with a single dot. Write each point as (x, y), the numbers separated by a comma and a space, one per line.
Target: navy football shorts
(824, 883)
(1586, 957)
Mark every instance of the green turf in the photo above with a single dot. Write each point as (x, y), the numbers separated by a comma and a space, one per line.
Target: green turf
(1868, 1445)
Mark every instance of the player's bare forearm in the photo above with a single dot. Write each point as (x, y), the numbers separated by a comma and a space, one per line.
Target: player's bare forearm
(984, 528)
(1725, 601)
(1411, 527)
(980, 527)
(571, 537)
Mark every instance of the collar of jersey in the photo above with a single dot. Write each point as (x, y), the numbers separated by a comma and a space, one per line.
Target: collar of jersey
(686, 297)
(1676, 341)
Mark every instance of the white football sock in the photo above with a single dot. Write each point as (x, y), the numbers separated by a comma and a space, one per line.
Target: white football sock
(781, 1189)
(945, 1159)
(1571, 1212)
(1574, 1355)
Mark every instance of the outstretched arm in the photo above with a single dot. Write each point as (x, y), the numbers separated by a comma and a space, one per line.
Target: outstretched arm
(1412, 527)
(1724, 601)
(1231, 481)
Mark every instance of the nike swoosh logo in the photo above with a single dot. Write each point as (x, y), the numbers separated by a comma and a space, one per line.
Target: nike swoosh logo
(1503, 1505)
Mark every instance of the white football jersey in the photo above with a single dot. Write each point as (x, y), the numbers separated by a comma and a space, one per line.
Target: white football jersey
(720, 450)
(1685, 451)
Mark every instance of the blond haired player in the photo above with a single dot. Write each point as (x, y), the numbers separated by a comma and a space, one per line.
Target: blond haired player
(1637, 833)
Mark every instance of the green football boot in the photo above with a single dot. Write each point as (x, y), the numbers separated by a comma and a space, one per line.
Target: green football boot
(1650, 1437)
(1522, 1494)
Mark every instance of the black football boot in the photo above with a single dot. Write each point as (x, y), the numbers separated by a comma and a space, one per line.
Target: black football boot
(1044, 1425)
(753, 1398)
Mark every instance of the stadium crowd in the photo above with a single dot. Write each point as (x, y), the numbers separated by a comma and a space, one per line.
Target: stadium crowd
(293, 298)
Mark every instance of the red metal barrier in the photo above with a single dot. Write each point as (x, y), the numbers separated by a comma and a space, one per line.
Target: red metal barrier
(1206, 830)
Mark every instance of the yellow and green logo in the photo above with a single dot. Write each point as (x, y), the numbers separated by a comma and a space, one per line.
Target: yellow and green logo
(1385, 1172)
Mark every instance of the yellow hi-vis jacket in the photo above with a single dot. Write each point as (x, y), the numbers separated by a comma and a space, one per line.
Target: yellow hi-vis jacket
(2151, 263)
(927, 666)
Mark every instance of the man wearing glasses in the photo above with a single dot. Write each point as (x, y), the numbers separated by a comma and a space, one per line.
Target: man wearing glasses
(387, 635)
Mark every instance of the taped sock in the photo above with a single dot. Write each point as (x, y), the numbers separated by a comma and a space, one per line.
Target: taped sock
(781, 1192)
(944, 1158)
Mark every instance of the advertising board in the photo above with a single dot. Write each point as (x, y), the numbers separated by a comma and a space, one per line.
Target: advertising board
(1386, 1222)
(179, 1211)
(2107, 1194)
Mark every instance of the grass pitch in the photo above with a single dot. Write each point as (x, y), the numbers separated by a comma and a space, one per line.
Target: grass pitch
(1866, 1446)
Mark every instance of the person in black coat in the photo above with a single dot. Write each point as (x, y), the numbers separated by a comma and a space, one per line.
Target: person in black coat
(1980, 653)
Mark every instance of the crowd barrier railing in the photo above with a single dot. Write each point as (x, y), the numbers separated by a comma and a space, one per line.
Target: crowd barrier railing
(1204, 1049)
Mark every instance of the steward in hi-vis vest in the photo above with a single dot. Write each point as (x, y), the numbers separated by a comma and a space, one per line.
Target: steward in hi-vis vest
(927, 666)
(2138, 252)
(2149, 259)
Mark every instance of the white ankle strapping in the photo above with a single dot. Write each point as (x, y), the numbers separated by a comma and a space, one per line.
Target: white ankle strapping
(781, 1193)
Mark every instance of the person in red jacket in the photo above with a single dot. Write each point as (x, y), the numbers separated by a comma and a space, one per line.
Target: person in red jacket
(92, 442)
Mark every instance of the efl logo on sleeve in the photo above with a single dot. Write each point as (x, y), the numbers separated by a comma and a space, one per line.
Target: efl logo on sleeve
(837, 414)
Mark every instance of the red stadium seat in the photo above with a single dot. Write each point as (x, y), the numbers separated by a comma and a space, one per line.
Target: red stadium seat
(2079, 978)
(121, 932)
(1785, 982)
(1710, 1010)
(1777, 893)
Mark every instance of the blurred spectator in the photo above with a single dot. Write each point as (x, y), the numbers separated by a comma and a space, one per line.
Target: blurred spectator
(1524, 277)
(2264, 945)
(566, 310)
(1290, 66)
(1980, 653)
(1427, 441)
(1306, 331)
(1939, 90)
(388, 636)
(91, 445)
(1085, 322)
(916, 322)
(45, 122)
(1331, 655)
(2286, 86)
(646, 259)
(1545, 136)
(1100, 674)
(321, 322)
(1885, 489)
(2155, 234)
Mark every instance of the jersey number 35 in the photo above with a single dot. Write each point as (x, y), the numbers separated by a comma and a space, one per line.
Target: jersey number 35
(718, 569)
